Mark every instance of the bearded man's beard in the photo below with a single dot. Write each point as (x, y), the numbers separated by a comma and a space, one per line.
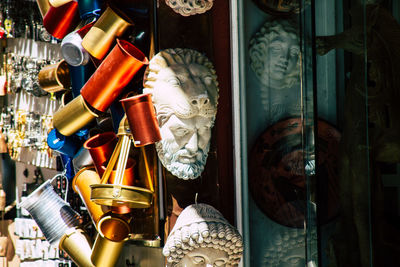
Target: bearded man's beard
(183, 171)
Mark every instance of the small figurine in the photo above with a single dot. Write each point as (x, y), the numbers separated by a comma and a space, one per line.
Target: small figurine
(184, 91)
(190, 7)
(203, 237)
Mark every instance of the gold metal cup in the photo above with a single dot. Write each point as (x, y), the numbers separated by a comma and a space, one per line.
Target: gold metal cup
(57, 3)
(81, 185)
(113, 232)
(113, 227)
(76, 243)
(72, 117)
(55, 77)
(44, 6)
(111, 24)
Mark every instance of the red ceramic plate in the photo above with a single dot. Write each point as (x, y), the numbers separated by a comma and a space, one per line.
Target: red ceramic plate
(277, 179)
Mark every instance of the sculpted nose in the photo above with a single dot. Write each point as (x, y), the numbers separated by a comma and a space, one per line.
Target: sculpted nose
(285, 55)
(192, 144)
(200, 101)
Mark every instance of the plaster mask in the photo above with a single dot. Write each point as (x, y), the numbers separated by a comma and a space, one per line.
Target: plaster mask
(274, 54)
(185, 92)
(205, 238)
(287, 248)
(190, 7)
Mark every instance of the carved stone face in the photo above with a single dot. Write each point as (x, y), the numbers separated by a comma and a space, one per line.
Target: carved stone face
(185, 98)
(205, 238)
(274, 54)
(294, 257)
(184, 146)
(205, 257)
(282, 57)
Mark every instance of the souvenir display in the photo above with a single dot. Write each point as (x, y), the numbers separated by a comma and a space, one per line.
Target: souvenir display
(202, 236)
(191, 7)
(83, 99)
(184, 90)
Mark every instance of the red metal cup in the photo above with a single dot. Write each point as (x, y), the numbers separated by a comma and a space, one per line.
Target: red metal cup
(59, 21)
(142, 119)
(85, 29)
(113, 74)
(101, 147)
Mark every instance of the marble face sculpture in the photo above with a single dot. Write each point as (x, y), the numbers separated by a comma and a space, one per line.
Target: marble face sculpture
(203, 237)
(190, 7)
(185, 92)
(274, 54)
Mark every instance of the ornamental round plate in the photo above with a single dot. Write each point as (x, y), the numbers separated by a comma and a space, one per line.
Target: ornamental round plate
(278, 7)
(277, 180)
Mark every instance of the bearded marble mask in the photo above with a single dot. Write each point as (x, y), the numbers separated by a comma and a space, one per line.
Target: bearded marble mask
(274, 54)
(190, 7)
(184, 90)
(205, 238)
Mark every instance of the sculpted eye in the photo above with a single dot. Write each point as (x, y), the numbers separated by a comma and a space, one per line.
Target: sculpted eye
(180, 131)
(219, 263)
(294, 51)
(204, 129)
(275, 47)
(198, 260)
(294, 260)
(174, 81)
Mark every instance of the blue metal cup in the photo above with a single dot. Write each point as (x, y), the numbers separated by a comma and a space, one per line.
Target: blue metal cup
(117, 113)
(68, 145)
(89, 8)
(69, 170)
(79, 76)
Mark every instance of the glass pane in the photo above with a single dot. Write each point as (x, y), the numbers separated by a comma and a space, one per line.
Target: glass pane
(281, 129)
(357, 63)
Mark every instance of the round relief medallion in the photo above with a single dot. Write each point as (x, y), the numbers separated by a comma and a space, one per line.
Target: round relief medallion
(277, 166)
(279, 7)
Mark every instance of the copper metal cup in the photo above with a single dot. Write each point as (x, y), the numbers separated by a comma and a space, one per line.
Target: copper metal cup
(142, 119)
(129, 174)
(101, 147)
(59, 21)
(44, 6)
(121, 210)
(113, 74)
(111, 24)
(76, 243)
(113, 232)
(55, 77)
(81, 185)
(58, 3)
(73, 117)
